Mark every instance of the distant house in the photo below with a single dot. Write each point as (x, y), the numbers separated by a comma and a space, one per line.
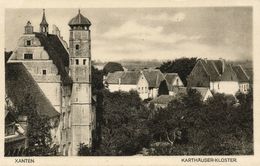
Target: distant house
(16, 140)
(154, 78)
(216, 75)
(163, 100)
(126, 81)
(173, 80)
(243, 79)
(204, 92)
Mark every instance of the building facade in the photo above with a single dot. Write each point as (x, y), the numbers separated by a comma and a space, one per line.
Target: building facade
(126, 81)
(63, 76)
(217, 75)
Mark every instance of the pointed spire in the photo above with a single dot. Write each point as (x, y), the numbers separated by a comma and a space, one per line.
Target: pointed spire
(44, 25)
(44, 22)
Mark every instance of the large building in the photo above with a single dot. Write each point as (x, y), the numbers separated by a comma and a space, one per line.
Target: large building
(58, 77)
(219, 76)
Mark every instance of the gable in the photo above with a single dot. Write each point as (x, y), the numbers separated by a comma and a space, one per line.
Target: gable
(153, 77)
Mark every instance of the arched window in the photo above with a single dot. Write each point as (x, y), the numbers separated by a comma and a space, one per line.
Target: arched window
(77, 46)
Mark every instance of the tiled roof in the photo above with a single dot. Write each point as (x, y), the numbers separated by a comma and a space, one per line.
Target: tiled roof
(219, 70)
(211, 69)
(126, 77)
(241, 74)
(79, 20)
(163, 99)
(57, 53)
(202, 90)
(19, 83)
(183, 90)
(170, 77)
(7, 55)
(154, 77)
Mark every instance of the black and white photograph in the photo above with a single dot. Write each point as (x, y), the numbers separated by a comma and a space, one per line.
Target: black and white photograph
(129, 82)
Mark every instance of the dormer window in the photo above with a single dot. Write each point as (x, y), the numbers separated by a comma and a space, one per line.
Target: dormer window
(28, 56)
(28, 42)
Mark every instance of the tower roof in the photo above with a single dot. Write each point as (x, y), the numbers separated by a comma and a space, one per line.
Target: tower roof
(44, 22)
(79, 20)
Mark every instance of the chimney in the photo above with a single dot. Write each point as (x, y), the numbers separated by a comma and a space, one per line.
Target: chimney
(205, 60)
(119, 81)
(222, 65)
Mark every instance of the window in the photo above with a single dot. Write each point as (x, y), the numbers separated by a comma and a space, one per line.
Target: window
(84, 61)
(77, 61)
(77, 47)
(28, 42)
(63, 118)
(44, 72)
(69, 119)
(28, 56)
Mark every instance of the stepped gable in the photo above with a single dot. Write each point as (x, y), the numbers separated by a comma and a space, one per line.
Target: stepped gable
(20, 83)
(57, 53)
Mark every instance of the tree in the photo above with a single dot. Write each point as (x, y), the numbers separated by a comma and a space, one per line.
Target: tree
(217, 127)
(182, 66)
(97, 80)
(123, 130)
(112, 67)
(39, 127)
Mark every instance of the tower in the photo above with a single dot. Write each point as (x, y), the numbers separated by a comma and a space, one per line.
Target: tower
(44, 26)
(80, 72)
(28, 28)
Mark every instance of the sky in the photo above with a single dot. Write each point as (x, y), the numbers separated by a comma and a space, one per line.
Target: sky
(149, 33)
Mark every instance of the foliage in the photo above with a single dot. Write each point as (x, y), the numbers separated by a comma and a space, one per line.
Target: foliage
(84, 150)
(182, 66)
(39, 126)
(112, 67)
(123, 127)
(97, 80)
(217, 127)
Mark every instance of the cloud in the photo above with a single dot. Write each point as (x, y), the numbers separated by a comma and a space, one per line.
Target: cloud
(131, 30)
(177, 17)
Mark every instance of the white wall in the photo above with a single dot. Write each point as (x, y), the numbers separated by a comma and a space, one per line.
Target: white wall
(208, 95)
(177, 80)
(153, 92)
(122, 87)
(143, 88)
(243, 87)
(227, 87)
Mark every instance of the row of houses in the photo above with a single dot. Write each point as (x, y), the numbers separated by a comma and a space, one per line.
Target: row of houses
(146, 82)
(206, 77)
